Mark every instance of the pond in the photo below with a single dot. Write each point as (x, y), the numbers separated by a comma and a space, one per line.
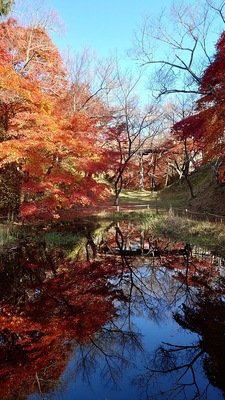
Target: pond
(111, 314)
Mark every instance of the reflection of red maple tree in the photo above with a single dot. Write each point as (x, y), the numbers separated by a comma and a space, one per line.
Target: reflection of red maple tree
(37, 335)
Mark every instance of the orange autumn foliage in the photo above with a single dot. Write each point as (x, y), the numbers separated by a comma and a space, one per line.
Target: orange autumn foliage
(58, 155)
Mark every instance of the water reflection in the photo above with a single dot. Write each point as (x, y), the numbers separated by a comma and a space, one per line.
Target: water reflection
(43, 314)
(112, 316)
(183, 362)
(207, 319)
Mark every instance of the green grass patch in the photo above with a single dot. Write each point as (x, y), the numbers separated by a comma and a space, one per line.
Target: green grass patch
(54, 238)
(8, 234)
(70, 243)
(200, 233)
(138, 197)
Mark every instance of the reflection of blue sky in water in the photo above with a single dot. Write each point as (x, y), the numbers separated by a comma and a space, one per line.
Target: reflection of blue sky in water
(111, 367)
(117, 362)
(153, 334)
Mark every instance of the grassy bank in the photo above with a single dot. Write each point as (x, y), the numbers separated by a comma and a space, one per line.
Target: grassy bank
(209, 196)
(156, 209)
(165, 224)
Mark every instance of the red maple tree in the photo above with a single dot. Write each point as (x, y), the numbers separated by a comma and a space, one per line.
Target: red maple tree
(206, 126)
(55, 154)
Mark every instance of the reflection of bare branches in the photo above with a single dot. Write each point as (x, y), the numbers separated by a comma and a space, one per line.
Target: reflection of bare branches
(152, 290)
(111, 370)
(175, 359)
(111, 351)
(157, 272)
(165, 358)
(138, 289)
(182, 362)
(92, 310)
(90, 245)
(184, 287)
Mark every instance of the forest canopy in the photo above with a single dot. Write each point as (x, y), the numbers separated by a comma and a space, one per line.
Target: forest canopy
(70, 139)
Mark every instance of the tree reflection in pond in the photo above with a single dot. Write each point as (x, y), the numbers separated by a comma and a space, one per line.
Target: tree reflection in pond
(107, 325)
(182, 362)
(207, 319)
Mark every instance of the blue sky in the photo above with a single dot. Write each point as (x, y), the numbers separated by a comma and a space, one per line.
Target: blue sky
(103, 26)
(108, 26)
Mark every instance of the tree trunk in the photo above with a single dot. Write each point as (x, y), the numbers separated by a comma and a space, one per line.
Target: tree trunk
(141, 169)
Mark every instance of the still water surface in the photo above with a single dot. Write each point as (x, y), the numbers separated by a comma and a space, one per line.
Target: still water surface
(125, 325)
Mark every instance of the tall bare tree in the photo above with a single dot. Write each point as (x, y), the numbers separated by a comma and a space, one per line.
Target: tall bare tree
(132, 127)
(179, 44)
